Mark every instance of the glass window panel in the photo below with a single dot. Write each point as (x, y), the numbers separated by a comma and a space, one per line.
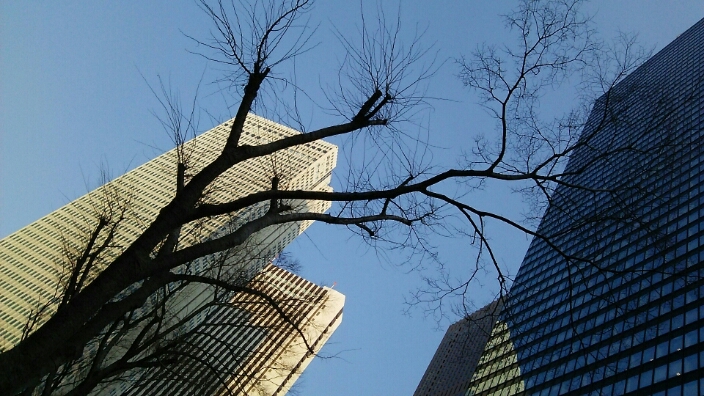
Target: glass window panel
(675, 391)
(646, 378)
(690, 338)
(610, 370)
(678, 321)
(635, 359)
(598, 374)
(570, 366)
(619, 388)
(618, 327)
(622, 365)
(607, 390)
(692, 316)
(639, 337)
(560, 370)
(676, 344)
(530, 382)
(550, 374)
(586, 380)
(690, 363)
(661, 349)
(660, 374)
(613, 349)
(664, 327)
(653, 312)
(675, 368)
(692, 296)
(690, 388)
(632, 384)
(678, 301)
(626, 343)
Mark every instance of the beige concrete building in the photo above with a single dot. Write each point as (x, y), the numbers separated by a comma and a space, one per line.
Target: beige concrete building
(271, 352)
(453, 365)
(36, 260)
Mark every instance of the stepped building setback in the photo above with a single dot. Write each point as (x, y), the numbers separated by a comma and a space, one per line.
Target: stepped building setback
(270, 354)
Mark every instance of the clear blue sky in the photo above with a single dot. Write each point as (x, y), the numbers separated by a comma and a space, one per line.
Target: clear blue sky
(72, 101)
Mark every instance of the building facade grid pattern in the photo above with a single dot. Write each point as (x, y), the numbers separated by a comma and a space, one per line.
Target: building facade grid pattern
(450, 371)
(35, 259)
(248, 346)
(629, 317)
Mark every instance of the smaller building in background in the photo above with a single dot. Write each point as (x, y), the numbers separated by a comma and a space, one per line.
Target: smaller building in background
(452, 367)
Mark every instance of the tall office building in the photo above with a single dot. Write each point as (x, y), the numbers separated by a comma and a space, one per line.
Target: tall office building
(36, 260)
(450, 371)
(618, 307)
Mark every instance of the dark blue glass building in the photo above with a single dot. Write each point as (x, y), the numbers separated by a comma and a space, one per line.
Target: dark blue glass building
(611, 301)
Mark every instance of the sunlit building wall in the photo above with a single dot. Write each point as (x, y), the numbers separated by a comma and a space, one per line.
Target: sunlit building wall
(270, 353)
(618, 308)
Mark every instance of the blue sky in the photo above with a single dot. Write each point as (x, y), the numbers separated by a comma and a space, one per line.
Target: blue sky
(73, 101)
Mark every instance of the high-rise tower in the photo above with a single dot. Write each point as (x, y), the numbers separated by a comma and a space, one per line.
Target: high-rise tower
(37, 260)
(616, 306)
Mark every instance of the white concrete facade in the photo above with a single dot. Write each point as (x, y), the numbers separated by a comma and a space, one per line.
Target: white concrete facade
(35, 260)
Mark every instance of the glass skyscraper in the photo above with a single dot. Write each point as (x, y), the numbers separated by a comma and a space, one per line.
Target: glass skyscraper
(611, 302)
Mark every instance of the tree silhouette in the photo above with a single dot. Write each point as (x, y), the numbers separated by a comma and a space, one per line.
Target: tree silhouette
(381, 86)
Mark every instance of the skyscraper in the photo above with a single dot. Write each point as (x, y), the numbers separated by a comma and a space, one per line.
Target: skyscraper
(36, 260)
(450, 371)
(616, 305)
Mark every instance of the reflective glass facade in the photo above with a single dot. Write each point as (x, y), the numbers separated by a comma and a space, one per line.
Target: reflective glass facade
(613, 304)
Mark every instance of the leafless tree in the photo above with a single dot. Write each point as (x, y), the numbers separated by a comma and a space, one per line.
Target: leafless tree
(556, 47)
(381, 86)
